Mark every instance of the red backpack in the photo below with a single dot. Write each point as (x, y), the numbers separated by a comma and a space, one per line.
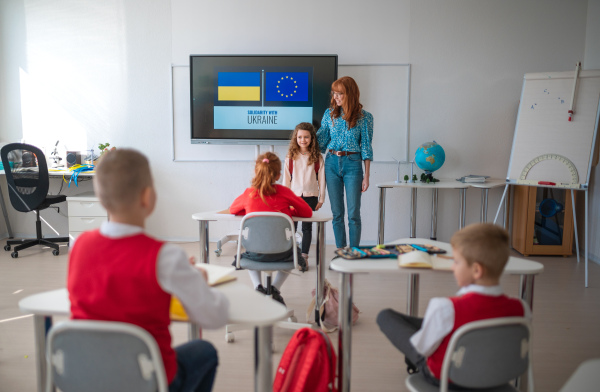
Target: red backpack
(308, 364)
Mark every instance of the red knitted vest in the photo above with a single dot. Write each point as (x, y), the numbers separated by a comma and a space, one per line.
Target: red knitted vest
(473, 307)
(116, 280)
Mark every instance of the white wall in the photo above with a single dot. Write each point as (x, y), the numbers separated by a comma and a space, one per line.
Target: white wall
(104, 66)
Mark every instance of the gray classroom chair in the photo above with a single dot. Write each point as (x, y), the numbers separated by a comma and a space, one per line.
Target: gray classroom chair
(99, 356)
(266, 233)
(484, 354)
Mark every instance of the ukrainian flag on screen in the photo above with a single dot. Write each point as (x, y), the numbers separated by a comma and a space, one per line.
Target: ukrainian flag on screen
(286, 86)
(239, 86)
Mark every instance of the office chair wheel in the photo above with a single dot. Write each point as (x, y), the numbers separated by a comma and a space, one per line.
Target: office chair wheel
(7, 247)
(218, 252)
(229, 337)
(14, 255)
(55, 252)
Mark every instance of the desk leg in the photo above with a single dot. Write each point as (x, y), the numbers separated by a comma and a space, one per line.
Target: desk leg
(263, 337)
(204, 242)
(434, 210)
(345, 332)
(526, 289)
(5, 213)
(412, 295)
(462, 208)
(320, 269)
(194, 331)
(381, 225)
(40, 324)
(484, 204)
(413, 213)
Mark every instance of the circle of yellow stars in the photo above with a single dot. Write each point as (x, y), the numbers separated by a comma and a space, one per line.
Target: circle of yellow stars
(278, 86)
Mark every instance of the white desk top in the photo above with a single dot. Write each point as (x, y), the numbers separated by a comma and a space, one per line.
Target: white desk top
(515, 265)
(585, 378)
(64, 172)
(444, 183)
(318, 216)
(246, 306)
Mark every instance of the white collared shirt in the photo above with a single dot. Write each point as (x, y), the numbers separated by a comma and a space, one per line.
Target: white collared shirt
(439, 318)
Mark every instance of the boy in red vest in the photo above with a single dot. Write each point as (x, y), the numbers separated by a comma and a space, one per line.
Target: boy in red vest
(118, 273)
(480, 253)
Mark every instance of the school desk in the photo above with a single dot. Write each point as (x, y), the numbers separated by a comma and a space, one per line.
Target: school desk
(246, 306)
(53, 173)
(527, 269)
(319, 217)
(442, 184)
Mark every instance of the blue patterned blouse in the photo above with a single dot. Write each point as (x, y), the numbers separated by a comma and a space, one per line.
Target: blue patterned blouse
(336, 136)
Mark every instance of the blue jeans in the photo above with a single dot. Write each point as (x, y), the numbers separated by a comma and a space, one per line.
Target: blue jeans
(196, 367)
(345, 172)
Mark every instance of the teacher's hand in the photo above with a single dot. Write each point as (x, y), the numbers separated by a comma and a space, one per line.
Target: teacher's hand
(365, 184)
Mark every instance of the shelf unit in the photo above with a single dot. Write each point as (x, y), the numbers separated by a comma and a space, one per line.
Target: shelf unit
(534, 234)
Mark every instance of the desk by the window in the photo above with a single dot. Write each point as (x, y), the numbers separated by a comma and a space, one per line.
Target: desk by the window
(53, 173)
(516, 266)
(319, 217)
(246, 306)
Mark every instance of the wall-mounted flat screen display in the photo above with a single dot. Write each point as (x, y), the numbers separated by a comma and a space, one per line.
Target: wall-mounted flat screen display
(257, 99)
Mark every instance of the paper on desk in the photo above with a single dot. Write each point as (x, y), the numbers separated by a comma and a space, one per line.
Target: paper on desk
(217, 274)
(419, 259)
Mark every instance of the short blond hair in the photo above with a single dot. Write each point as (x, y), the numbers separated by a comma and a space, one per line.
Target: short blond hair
(121, 177)
(484, 243)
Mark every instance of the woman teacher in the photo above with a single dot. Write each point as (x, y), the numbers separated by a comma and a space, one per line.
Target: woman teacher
(345, 137)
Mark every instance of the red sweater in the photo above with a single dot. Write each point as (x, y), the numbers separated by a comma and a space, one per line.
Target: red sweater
(280, 201)
(473, 307)
(116, 280)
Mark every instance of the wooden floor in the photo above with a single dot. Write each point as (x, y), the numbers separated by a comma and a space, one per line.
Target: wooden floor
(566, 321)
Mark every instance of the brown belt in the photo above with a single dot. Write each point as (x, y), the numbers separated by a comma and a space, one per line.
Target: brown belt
(342, 153)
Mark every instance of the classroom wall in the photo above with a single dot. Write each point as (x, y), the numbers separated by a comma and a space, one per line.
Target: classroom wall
(103, 69)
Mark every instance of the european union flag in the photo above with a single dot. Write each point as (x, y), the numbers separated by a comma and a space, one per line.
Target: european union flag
(286, 86)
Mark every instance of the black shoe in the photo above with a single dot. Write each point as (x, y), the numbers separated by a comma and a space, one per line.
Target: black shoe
(276, 295)
(261, 289)
(411, 368)
(302, 264)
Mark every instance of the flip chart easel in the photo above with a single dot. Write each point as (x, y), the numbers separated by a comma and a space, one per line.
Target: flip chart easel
(555, 135)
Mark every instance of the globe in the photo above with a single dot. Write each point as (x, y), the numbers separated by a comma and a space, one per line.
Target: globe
(430, 157)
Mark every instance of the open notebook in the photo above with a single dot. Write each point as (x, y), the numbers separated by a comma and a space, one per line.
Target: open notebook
(419, 259)
(217, 274)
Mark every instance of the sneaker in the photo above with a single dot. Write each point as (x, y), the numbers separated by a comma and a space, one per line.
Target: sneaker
(261, 289)
(277, 295)
(298, 237)
(302, 263)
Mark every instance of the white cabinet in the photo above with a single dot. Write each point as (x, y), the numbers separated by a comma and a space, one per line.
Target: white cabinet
(85, 213)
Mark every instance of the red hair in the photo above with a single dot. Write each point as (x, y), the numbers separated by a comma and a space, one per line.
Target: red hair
(266, 171)
(351, 102)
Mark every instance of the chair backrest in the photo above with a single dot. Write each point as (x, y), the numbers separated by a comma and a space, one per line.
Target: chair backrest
(267, 232)
(487, 353)
(26, 175)
(84, 355)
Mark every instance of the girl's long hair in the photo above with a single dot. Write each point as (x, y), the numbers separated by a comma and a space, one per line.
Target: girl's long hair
(351, 105)
(313, 148)
(266, 171)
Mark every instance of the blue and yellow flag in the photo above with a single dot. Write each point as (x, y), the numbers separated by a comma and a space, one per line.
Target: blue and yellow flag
(286, 86)
(238, 86)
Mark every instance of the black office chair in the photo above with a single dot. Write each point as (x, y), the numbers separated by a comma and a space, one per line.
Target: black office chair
(28, 182)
